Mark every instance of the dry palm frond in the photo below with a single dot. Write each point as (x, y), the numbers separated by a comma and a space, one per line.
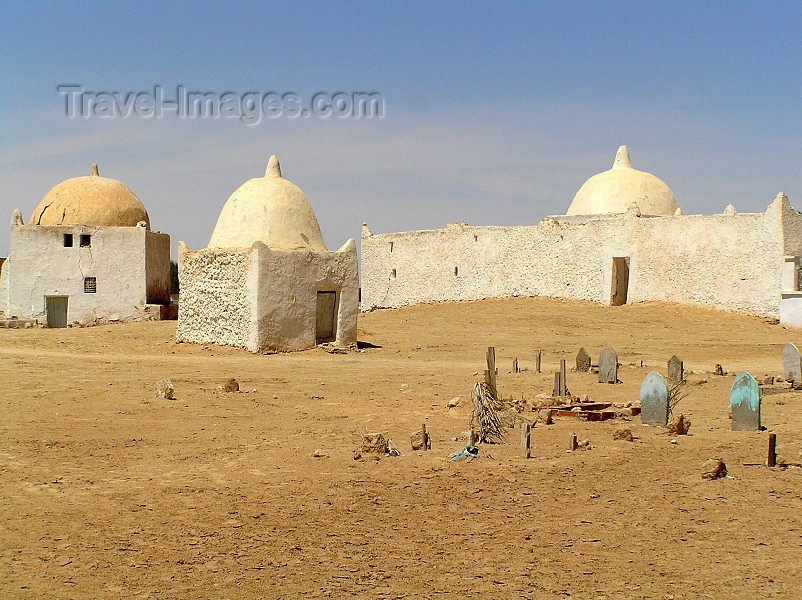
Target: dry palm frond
(675, 395)
(485, 418)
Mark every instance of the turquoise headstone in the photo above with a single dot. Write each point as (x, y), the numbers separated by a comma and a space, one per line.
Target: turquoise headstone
(654, 400)
(745, 401)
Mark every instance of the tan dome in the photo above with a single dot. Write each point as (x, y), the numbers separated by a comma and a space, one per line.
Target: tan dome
(614, 191)
(268, 209)
(94, 200)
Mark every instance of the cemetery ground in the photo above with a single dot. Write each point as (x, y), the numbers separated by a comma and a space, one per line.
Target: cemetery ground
(109, 492)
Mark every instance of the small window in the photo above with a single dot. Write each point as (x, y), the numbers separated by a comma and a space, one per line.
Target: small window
(456, 271)
(68, 240)
(90, 285)
(391, 246)
(392, 274)
(86, 240)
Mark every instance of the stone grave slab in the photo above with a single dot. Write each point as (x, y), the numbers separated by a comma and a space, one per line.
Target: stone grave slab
(654, 400)
(583, 361)
(676, 369)
(792, 362)
(745, 402)
(608, 366)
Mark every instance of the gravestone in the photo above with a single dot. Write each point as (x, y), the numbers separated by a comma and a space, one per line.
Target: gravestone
(745, 402)
(676, 369)
(792, 362)
(654, 400)
(608, 366)
(583, 361)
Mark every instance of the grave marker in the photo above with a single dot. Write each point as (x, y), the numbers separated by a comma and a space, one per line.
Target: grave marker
(654, 400)
(745, 402)
(608, 366)
(583, 361)
(792, 362)
(526, 440)
(676, 369)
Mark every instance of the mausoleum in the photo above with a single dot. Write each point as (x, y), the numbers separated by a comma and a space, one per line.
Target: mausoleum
(266, 281)
(86, 256)
(624, 239)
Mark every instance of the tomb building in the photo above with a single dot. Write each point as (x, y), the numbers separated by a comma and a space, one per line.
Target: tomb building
(624, 239)
(266, 281)
(86, 256)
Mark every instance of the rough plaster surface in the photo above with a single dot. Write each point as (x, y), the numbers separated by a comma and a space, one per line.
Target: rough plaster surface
(39, 265)
(731, 262)
(263, 299)
(216, 303)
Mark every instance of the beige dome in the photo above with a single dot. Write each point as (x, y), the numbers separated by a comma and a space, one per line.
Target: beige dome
(614, 191)
(268, 209)
(94, 200)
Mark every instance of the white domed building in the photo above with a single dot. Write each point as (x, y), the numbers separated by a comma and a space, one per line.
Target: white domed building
(266, 281)
(87, 256)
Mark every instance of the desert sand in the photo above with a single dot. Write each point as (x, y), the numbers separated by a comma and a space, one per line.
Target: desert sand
(110, 492)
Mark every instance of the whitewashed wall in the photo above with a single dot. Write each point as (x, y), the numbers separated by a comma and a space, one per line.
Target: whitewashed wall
(39, 265)
(263, 299)
(731, 262)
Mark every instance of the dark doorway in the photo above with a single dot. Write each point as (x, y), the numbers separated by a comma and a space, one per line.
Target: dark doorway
(620, 281)
(56, 309)
(326, 321)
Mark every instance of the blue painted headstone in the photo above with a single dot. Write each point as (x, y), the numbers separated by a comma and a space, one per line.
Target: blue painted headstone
(654, 400)
(745, 401)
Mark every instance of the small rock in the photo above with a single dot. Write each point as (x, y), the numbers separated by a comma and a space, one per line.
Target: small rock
(231, 385)
(165, 389)
(453, 402)
(623, 433)
(320, 454)
(416, 439)
(357, 455)
(545, 416)
(679, 425)
(714, 468)
(375, 443)
(509, 418)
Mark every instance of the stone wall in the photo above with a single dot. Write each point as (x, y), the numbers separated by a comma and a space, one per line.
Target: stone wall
(217, 303)
(731, 262)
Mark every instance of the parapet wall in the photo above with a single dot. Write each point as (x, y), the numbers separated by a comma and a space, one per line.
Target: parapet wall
(731, 262)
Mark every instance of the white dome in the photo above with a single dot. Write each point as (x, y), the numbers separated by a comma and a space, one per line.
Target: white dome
(268, 209)
(614, 191)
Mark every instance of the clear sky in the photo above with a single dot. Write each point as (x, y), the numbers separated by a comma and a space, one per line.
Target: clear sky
(494, 113)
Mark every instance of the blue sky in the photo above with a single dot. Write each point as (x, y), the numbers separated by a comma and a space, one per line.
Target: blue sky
(494, 113)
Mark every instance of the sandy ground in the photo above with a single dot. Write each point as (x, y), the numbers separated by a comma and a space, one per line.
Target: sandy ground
(109, 492)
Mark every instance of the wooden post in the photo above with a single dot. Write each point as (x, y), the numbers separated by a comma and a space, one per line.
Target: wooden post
(537, 360)
(564, 378)
(557, 384)
(526, 440)
(771, 461)
(515, 368)
(427, 442)
(491, 366)
(573, 443)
